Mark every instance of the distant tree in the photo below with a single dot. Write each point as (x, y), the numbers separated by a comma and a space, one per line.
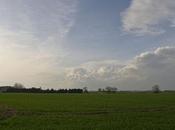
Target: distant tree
(111, 89)
(19, 88)
(18, 85)
(155, 89)
(99, 89)
(85, 90)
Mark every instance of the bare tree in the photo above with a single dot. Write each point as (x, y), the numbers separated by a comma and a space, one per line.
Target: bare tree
(111, 89)
(18, 85)
(155, 89)
(85, 89)
(99, 89)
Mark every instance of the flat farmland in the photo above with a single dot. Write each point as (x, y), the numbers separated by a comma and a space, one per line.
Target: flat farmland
(92, 111)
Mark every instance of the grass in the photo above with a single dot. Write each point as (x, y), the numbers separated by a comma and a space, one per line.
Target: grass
(121, 111)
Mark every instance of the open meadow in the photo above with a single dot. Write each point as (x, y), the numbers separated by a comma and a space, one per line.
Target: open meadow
(93, 111)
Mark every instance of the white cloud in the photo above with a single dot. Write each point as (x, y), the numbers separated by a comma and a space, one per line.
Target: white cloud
(101, 70)
(23, 57)
(143, 71)
(32, 34)
(41, 17)
(146, 16)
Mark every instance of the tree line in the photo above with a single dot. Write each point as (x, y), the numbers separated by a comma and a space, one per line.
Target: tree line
(39, 90)
(19, 88)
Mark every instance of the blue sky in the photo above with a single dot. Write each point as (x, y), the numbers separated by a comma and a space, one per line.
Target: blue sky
(98, 30)
(94, 43)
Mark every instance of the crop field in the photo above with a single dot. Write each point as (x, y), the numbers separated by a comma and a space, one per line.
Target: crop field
(93, 111)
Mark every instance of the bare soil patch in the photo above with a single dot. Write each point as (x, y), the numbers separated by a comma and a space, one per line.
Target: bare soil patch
(6, 112)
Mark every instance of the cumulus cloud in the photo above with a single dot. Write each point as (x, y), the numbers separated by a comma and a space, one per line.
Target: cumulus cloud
(101, 70)
(146, 17)
(141, 72)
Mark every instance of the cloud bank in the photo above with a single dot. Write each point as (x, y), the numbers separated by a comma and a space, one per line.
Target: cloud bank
(141, 72)
(149, 17)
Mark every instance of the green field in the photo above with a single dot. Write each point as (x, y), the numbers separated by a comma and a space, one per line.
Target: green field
(120, 111)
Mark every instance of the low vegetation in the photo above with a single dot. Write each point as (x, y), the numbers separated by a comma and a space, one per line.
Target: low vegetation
(91, 111)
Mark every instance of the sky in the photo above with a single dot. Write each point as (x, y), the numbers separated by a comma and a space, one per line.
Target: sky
(128, 44)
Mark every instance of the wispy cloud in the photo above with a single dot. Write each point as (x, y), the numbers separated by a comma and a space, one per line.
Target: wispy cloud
(32, 34)
(149, 17)
(41, 17)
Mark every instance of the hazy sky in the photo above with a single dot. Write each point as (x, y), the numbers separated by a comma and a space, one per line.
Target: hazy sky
(129, 44)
